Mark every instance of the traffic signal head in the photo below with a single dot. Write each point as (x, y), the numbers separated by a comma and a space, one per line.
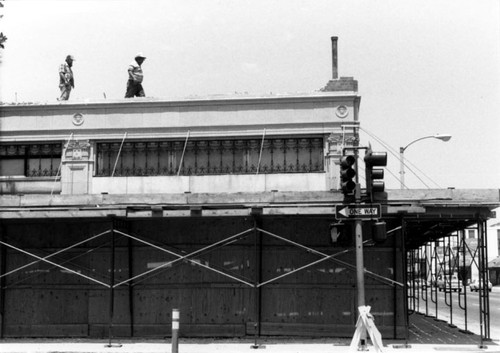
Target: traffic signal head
(374, 176)
(347, 174)
(379, 233)
(336, 230)
(341, 234)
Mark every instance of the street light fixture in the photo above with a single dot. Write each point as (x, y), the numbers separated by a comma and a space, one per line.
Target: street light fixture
(442, 137)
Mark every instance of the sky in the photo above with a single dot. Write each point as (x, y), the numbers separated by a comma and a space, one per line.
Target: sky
(423, 67)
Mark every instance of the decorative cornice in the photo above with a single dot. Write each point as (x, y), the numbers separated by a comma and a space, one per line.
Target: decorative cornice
(181, 102)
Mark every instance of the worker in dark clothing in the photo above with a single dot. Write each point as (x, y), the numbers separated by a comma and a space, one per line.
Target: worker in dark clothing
(66, 79)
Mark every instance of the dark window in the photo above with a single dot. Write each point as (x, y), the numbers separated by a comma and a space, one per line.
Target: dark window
(205, 157)
(33, 160)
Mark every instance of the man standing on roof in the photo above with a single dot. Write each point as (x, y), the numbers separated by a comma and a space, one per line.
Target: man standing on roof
(66, 79)
(135, 76)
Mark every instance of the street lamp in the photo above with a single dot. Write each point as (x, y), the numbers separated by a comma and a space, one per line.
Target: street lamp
(442, 137)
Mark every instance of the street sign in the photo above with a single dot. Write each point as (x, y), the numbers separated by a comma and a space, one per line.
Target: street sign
(354, 211)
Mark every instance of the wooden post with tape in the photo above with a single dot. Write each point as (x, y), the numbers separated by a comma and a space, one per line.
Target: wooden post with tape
(175, 330)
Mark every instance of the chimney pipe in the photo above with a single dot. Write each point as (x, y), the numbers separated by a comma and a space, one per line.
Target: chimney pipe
(335, 71)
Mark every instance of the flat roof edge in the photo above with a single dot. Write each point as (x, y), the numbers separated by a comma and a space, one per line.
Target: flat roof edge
(191, 100)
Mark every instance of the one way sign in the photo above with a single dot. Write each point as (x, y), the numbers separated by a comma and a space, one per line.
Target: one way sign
(354, 211)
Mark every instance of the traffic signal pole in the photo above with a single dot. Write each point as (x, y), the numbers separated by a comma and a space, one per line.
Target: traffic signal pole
(360, 273)
(360, 266)
(358, 233)
(374, 184)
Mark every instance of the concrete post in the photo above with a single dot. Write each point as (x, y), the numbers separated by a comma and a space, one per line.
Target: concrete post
(175, 330)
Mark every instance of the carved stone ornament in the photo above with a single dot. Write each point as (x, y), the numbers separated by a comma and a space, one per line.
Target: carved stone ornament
(78, 150)
(342, 111)
(336, 142)
(78, 119)
(336, 138)
(352, 141)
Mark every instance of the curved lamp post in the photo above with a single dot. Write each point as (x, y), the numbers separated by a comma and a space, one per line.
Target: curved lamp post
(442, 137)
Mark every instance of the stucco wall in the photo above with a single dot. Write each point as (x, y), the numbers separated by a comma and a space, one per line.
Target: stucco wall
(210, 183)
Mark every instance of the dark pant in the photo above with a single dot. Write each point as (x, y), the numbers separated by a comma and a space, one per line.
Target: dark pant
(134, 90)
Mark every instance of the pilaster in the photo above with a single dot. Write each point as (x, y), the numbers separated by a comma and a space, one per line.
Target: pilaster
(77, 167)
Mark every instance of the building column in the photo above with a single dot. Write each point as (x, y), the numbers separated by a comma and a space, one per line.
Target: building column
(77, 168)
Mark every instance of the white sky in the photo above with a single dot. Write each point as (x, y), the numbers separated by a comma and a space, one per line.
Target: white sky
(423, 66)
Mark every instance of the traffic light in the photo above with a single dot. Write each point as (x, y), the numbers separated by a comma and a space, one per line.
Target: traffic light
(336, 231)
(347, 174)
(341, 234)
(379, 233)
(374, 176)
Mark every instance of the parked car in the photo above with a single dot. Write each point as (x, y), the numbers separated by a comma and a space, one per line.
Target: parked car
(447, 282)
(418, 282)
(424, 284)
(477, 283)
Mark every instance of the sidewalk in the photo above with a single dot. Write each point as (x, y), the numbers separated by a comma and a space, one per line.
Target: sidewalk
(425, 335)
(207, 347)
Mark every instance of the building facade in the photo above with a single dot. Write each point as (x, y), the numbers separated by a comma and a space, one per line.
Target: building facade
(113, 213)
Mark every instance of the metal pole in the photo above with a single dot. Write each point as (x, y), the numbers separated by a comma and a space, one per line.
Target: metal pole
(484, 310)
(112, 282)
(405, 280)
(257, 290)
(484, 230)
(183, 151)
(482, 284)
(3, 265)
(60, 164)
(118, 155)
(451, 269)
(360, 273)
(465, 274)
(395, 288)
(360, 278)
(442, 137)
(175, 330)
(130, 284)
(260, 153)
(402, 167)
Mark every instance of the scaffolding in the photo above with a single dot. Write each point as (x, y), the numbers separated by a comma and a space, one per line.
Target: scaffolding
(439, 274)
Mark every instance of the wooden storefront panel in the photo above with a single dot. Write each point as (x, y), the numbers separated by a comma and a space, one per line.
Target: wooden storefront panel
(44, 300)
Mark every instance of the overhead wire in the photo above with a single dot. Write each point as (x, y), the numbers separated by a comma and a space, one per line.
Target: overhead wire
(410, 166)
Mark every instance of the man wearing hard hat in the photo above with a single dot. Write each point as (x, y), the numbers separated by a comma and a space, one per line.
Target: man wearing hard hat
(135, 77)
(66, 79)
